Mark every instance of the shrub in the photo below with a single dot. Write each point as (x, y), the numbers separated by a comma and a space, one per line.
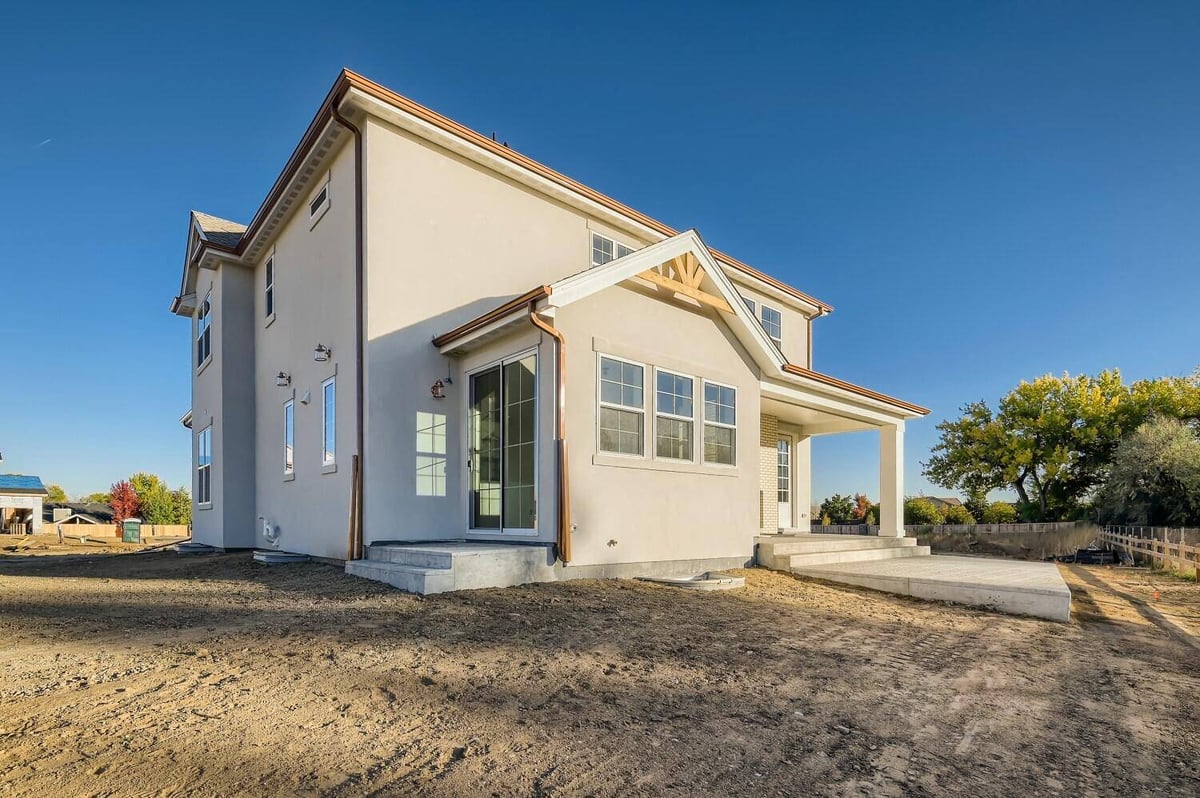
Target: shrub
(1000, 513)
(957, 514)
(921, 512)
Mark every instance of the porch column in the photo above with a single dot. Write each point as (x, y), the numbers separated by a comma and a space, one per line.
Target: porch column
(891, 480)
(802, 493)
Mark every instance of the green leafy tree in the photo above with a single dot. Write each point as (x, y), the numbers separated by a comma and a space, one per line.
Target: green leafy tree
(97, 498)
(154, 498)
(181, 503)
(1052, 439)
(1155, 477)
(56, 494)
(999, 513)
(921, 512)
(957, 514)
(839, 508)
(977, 503)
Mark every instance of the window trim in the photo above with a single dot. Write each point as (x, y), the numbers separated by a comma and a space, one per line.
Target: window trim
(289, 438)
(691, 420)
(704, 422)
(206, 317)
(317, 210)
(328, 462)
(203, 437)
(600, 403)
(269, 290)
(762, 308)
(617, 246)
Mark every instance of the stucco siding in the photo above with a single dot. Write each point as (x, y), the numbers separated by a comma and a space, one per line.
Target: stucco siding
(639, 509)
(794, 323)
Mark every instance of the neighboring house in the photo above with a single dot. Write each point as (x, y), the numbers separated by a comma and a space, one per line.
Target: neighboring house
(95, 513)
(21, 500)
(943, 503)
(423, 335)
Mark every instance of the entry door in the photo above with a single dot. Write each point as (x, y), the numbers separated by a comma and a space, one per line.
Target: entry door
(503, 447)
(783, 455)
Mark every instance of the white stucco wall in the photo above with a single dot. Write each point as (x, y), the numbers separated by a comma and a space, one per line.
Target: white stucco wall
(795, 324)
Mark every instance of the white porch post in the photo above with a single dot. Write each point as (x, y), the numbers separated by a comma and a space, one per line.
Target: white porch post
(891, 480)
(802, 494)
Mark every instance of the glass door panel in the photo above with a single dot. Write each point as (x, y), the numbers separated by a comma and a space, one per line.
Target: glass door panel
(520, 443)
(503, 455)
(485, 449)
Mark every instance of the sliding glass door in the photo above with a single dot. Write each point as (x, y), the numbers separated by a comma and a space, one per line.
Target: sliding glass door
(503, 447)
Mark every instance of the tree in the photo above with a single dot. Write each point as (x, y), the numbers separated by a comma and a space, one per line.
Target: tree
(1155, 477)
(999, 513)
(921, 512)
(154, 498)
(839, 508)
(97, 498)
(977, 503)
(124, 503)
(1052, 440)
(957, 514)
(181, 503)
(55, 494)
(862, 506)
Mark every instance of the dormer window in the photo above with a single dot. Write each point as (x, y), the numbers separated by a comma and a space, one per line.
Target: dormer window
(772, 322)
(604, 250)
(204, 331)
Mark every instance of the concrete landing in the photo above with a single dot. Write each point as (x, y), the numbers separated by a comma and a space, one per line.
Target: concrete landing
(1012, 586)
(454, 565)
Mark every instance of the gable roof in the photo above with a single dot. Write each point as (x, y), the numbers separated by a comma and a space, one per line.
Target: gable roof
(20, 483)
(744, 324)
(221, 232)
(349, 82)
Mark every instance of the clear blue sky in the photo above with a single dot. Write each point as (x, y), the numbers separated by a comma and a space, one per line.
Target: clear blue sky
(986, 191)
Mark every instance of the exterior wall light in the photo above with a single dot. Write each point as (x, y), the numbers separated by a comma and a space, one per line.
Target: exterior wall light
(438, 390)
(322, 353)
(283, 379)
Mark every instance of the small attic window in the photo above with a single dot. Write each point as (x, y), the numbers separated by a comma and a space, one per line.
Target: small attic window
(318, 205)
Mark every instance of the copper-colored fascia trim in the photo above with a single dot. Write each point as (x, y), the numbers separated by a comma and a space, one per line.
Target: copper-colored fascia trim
(541, 292)
(347, 80)
(800, 371)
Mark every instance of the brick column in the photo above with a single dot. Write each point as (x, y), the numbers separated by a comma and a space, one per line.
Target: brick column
(768, 470)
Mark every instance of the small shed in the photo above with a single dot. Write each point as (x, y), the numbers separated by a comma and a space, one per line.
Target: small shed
(21, 499)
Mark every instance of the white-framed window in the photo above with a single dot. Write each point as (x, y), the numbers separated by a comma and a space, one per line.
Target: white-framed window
(328, 421)
(772, 322)
(318, 204)
(289, 437)
(604, 249)
(204, 331)
(720, 423)
(204, 466)
(431, 454)
(674, 415)
(269, 288)
(622, 406)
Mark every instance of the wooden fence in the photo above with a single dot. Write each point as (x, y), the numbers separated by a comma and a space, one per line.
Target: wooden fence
(950, 529)
(1170, 549)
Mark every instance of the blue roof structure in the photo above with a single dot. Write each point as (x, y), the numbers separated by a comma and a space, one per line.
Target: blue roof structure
(19, 483)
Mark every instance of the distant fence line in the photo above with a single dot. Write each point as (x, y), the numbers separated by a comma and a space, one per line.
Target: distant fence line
(1155, 544)
(112, 531)
(950, 529)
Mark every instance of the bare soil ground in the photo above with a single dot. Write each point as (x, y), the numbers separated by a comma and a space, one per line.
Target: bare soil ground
(162, 675)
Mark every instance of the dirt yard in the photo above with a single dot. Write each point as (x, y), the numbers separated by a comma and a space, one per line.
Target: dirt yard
(162, 675)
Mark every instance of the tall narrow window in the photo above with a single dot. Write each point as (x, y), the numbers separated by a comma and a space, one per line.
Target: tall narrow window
(604, 249)
(204, 466)
(269, 288)
(772, 322)
(328, 425)
(289, 438)
(622, 406)
(317, 205)
(720, 423)
(204, 330)
(673, 416)
(431, 454)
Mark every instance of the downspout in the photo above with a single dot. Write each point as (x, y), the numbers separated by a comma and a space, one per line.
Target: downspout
(562, 481)
(356, 486)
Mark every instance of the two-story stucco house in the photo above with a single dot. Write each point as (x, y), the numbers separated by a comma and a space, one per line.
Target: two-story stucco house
(423, 335)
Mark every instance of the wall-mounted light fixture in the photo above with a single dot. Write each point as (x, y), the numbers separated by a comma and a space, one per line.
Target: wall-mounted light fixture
(283, 379)
(322, 353)
(438, 389)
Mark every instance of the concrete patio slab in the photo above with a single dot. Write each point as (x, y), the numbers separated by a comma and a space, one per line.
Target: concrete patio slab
(1011, 586)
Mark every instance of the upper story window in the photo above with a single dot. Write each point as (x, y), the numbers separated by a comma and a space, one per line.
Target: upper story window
(204, 331)
(772, 322)
(622, 406)
(749, 305)
(204, 466)
(269, 288)
(328, 421)
(673, 414)
(318, 204)
(604, 249)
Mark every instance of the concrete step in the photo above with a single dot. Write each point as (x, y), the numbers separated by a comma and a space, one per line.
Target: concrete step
(412, 578)
(788, 562)
(410, 555)
(806, 544)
